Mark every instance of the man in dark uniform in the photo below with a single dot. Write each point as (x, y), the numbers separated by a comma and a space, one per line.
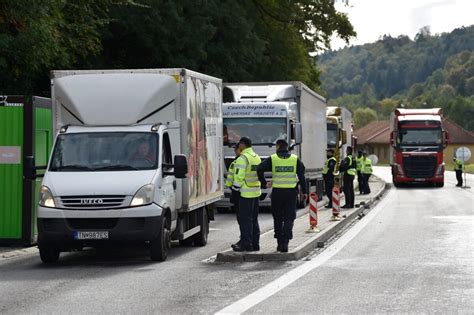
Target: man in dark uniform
(328, 175)
(348, 166)
(287, 170)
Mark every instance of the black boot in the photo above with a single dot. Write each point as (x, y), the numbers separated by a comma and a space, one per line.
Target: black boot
(279, 244)
(284, 245)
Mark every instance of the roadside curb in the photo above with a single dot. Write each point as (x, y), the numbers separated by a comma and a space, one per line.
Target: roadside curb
(15, 252)
(304, 249)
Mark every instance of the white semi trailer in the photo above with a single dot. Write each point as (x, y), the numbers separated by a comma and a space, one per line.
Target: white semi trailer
(266, 112)
(137, 158)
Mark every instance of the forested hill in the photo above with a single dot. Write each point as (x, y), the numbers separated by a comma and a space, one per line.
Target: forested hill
(429, 71)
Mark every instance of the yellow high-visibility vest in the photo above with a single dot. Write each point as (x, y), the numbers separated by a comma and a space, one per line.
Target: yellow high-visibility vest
(284, 171)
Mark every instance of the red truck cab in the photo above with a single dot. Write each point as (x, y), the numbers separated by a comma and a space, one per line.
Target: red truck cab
(417, 141)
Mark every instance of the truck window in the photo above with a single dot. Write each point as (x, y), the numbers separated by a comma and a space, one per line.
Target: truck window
(105, 151)
(262, 130)
(167, 156)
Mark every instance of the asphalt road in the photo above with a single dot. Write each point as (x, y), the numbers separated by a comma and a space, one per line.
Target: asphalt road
(415, 255)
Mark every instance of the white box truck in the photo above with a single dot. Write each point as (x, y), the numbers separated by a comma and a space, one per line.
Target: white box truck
(266, 112)
(137, 158)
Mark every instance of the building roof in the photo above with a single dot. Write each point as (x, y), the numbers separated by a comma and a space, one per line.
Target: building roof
(374, 132)
(457, 134)
(378, 132)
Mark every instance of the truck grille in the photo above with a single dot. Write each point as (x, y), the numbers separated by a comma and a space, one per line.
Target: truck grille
(93, 202)
(419, 166)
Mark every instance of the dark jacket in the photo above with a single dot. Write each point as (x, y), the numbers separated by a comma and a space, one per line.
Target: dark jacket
(266, 166)
(330, 174)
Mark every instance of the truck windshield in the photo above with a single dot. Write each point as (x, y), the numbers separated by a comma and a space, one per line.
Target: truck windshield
(105, 151)
(332, 135)
(260, 130)
(420, 137)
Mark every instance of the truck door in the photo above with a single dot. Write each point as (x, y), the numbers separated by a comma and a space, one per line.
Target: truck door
(169, 181)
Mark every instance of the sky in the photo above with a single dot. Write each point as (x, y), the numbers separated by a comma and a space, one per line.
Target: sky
(374, 18)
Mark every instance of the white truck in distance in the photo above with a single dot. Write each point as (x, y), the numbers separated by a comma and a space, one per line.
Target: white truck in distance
(266, 112)
(112, 176)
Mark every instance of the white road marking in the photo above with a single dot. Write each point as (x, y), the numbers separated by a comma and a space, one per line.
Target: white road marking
(288, 278)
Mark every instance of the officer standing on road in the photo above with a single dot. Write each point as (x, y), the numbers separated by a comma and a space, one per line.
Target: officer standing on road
(328, 175)
(458, 168)
(246, 183)
(366, 172)
(287, 170)
(348, 166)
(229, 181)
(360, 178)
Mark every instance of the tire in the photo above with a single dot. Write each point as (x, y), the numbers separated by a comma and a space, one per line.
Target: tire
(439, 184)
(200, 239)
(49, 254)
(160, 246)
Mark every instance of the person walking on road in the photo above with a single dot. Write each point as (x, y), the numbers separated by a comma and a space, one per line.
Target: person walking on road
(328, 175)
(458, 168)
(247, 185)
(287, 170)
(348, 166)
(360, 178)
(366, 172)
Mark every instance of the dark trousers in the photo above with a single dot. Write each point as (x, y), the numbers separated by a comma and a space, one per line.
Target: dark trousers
(284, 212)
(459, 177)
(348, 188)
(328, 186)
(366, 183)
(360, 180)
(248, 222)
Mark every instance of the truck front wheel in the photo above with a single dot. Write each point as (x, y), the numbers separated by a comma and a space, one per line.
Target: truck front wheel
(160, 246)
(48, 253)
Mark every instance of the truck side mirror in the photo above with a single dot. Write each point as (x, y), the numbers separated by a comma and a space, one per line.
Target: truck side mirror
(343, 137)
(298, 133)
(180, 166)
(445, 138)
(29, 168)
(392, 138)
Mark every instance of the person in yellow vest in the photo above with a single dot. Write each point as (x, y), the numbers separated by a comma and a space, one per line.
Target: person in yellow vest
(287, 171)
(360, 178)
(246, 183)
(458, 168)
(366, 172)
(328, 175)
(348, 167)
(229, 181)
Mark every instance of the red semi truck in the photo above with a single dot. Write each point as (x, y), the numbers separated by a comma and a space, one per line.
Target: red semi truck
(417, 140)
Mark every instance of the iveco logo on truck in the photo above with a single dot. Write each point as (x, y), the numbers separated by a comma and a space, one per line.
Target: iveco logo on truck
(92, 201)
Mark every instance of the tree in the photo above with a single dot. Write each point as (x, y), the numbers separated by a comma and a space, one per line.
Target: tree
(38, 36)
(363, 116)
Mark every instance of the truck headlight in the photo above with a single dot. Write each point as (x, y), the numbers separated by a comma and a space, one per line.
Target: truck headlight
(399, 169)
(46, 198)
(143, 196)
(440, 170)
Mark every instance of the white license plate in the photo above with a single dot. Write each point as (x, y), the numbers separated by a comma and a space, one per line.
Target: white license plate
(91, 235)
(419, 179)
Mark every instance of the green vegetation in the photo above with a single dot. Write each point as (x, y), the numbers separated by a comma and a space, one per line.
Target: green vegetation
(469, 168)
(248, 40)
(430, 71)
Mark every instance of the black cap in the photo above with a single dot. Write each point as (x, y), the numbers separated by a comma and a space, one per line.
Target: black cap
(281, 142)
(330, 150)
(246, 141)
(361, 152)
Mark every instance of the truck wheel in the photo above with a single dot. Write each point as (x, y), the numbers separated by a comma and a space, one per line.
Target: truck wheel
(49, 254)
(439, 184)
(160, 246)
(301, 203)
(200, 239)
